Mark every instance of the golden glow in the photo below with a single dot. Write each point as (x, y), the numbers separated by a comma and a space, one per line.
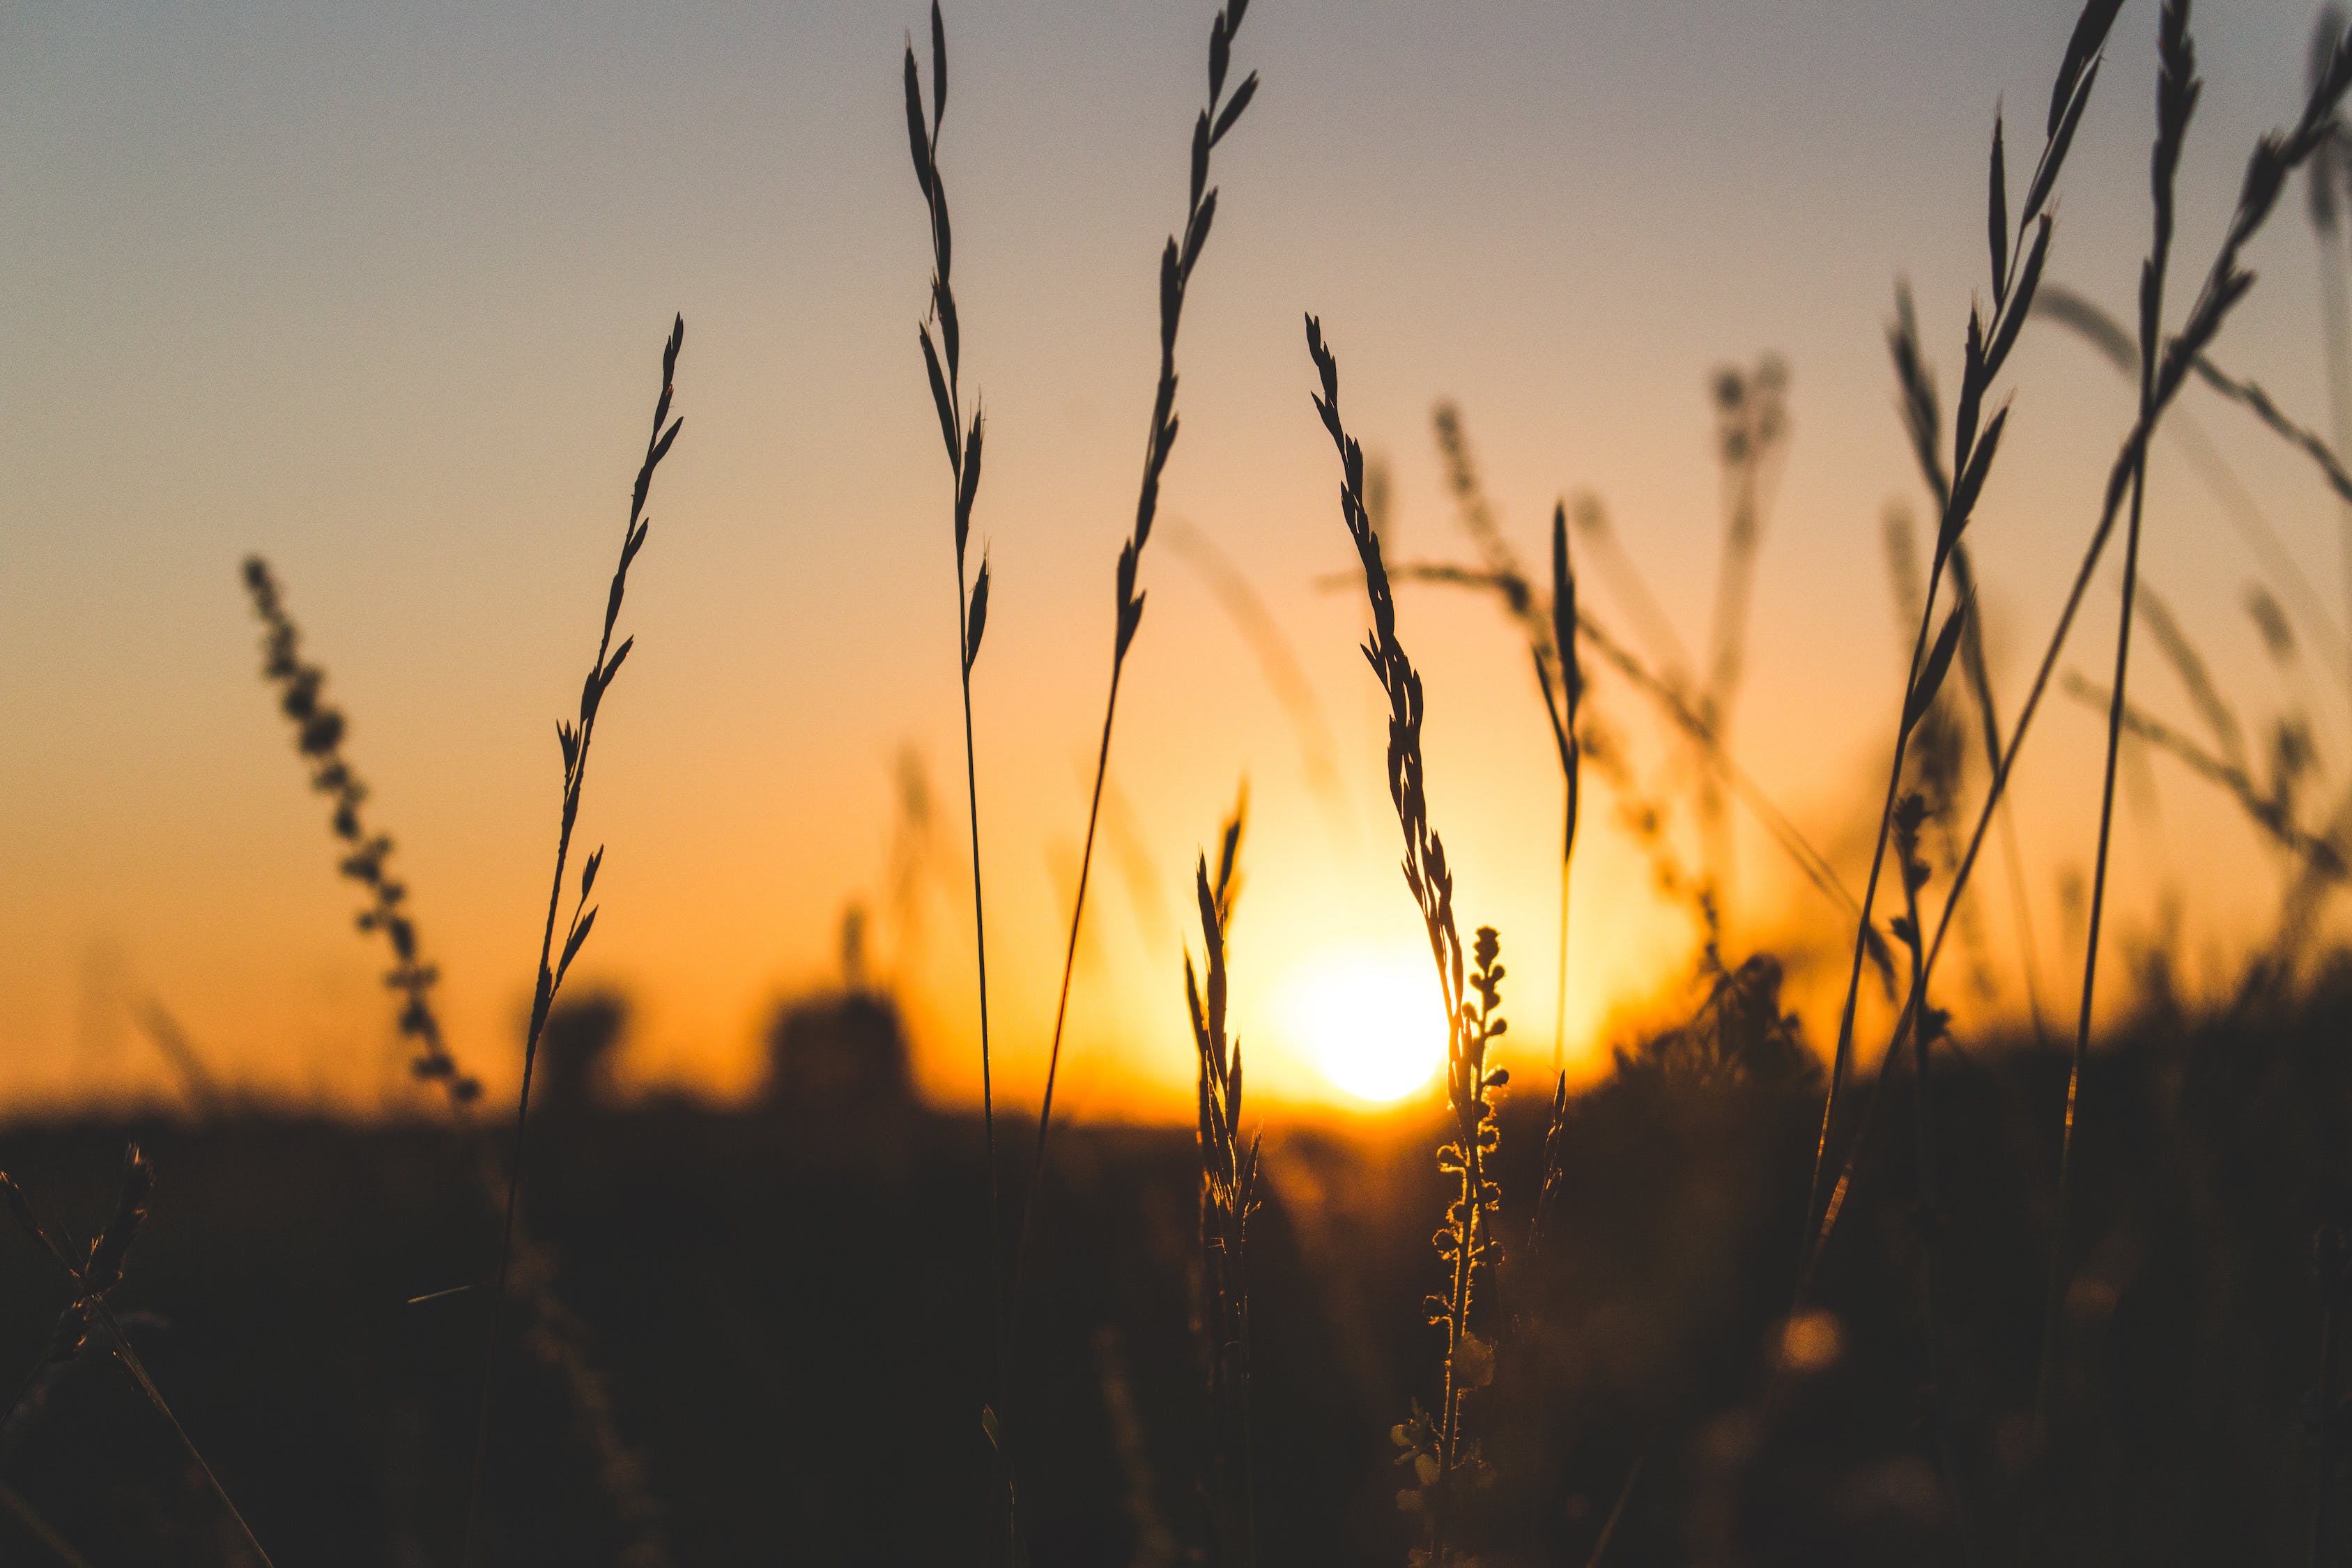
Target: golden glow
(1371, 1020)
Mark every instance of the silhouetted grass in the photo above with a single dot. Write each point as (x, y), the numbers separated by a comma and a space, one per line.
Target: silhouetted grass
(964, 447)
(93, 1279)
(2016, 273)
(1229, 1196)
(1448, 1471)
(319, 730)
(574, 740)
(1639, 1375)
(2276, 156)
(2176, 91)
(1217, 119)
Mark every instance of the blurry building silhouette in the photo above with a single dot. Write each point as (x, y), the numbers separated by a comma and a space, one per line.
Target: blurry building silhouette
(574, 1072)
(839, 1060)
(837, 1052)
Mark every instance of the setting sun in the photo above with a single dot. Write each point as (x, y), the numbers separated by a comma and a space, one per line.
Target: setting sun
(1370, 1021)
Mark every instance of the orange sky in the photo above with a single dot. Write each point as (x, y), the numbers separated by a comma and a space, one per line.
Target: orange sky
(381, 298)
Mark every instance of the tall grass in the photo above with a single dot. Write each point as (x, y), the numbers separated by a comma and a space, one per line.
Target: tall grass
(1924, 421)
(2016, 262)
(1661, 680)
(1229, 1196)
(2276, 156)
(964, 446)
(1449, 1471)
(1562, 709)
(1216, 119)
(1441, 1446)
(2177, 89)
(1550, 630)
(321, 730)
(574, 740)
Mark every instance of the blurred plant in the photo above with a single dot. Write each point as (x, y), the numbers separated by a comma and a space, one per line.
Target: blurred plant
(94, 1279)
(318, 732)
(1751, 430)
(1642, 812)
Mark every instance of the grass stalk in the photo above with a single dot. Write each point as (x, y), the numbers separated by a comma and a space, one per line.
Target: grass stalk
(2276, 156)
(1616, 1512)
(1751, 438)
(1562, 709)
(1447, 1469)
(1177, 260)
(1928, 1027)
(94, 1279)
(2016, 273)
(2330, 179)
(2266, 812)
(40, 1529)
(1229, 1174)
(2176, 96)
(1667, 691)
(320, 732)
(574, 741)
(964, 444)
(1924, 414)
(2103, 332)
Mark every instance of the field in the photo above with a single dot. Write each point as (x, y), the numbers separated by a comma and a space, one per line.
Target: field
(1843, 1247)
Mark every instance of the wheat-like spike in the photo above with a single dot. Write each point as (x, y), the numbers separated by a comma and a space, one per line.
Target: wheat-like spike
(1975, 441)
(574, 740)
(1177, 260)
(1472, 993)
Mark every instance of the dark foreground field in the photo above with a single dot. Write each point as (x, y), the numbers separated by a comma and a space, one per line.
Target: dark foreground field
(787, 1308)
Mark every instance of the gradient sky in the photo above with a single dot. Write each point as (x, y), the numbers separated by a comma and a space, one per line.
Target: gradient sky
(379, 291)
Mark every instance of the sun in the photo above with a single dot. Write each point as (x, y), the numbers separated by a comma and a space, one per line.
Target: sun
(1370, 1021)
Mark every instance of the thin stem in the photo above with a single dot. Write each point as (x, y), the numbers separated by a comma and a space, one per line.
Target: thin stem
(129, 1359)
(2053, 1296)
(2323, 1481)
(539, 1008)
(1457, 1314)
(1617, 1511)
(987, 1092)
(1062, 1007)
(1176, 263)
(1980, 673)
(40, 1529)
(576, 744)
(2335, 324)
(1930, 1218)
(2177, 91)
(1559, 988)
(1838, 1062)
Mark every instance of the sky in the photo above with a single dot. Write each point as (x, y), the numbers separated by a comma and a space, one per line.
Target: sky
(379, 293)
